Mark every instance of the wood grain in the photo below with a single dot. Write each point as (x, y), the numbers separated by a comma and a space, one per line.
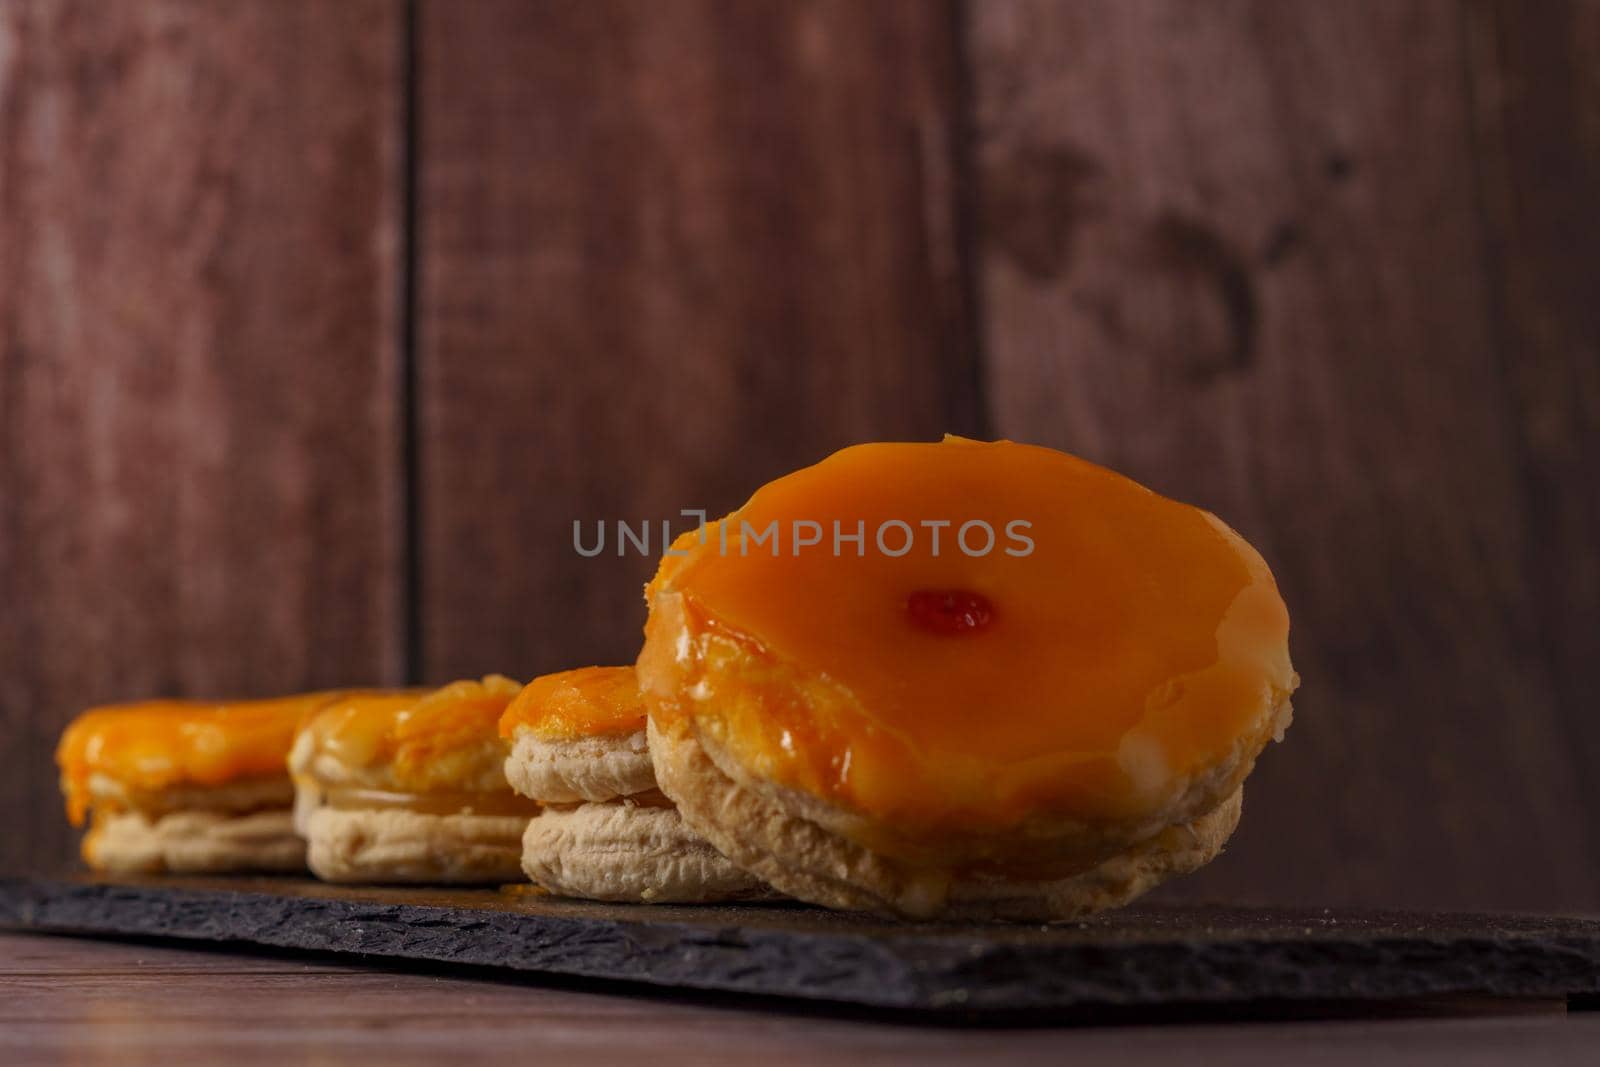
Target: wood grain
(1327, 269)
(198, 402)
(667, 254)
(1238, 254)
(147, 1003)
(1536, 96)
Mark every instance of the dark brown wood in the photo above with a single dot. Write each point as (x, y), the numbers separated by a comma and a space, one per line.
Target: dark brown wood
(1324, 268)
(69, 999)
(668, 253)
(198, 353)
(1536, 96)
(1237, 252)
(1151, 958)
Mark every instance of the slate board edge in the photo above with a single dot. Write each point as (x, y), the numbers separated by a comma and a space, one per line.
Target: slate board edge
(922, 971)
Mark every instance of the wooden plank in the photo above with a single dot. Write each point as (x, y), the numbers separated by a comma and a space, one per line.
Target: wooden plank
(198, 354)
(1236, 252)
(1536, 94)
(202, 1009)
(667, 253)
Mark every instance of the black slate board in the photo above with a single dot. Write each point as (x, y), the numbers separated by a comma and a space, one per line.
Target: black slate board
(1136, 957)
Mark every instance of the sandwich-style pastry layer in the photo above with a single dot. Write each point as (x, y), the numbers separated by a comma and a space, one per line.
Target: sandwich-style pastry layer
(605, 832)
(410, 787)
(198, 841)
(578, 736)
(958, 678)
(185, 785)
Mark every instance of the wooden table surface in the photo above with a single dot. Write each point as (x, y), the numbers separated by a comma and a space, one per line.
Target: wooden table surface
(88, 1001)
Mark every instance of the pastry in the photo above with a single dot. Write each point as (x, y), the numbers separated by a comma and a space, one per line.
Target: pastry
(963, 679)
(605, 832)
(185, 786)
(410, 787)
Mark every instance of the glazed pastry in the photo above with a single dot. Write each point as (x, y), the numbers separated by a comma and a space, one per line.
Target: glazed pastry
(963, 679)
(185, 786)
(410, 787)
(605, 832)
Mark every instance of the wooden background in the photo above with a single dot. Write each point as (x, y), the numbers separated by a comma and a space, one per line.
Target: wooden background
(320, 321)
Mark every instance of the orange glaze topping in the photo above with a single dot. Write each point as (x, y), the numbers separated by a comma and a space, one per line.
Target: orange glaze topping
(586, 702)
(160, 744)
(417, 741)
(1086, 664)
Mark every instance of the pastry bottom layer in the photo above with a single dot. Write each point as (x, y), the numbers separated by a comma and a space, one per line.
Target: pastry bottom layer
(194, 842)
(621, 851)
(390, 846)
(780, 837)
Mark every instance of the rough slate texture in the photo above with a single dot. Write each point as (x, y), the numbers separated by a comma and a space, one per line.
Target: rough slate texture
(1134, 957)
